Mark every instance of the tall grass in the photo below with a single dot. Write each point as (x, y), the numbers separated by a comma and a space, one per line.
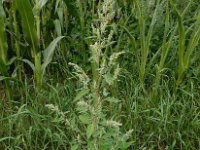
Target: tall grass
(185, 51)
(99, 74)
(145, 39)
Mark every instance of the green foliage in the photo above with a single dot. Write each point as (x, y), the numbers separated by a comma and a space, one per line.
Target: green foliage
(99, 75)
(27, 18)
(184, 51)
(3, 40)
(3, 53)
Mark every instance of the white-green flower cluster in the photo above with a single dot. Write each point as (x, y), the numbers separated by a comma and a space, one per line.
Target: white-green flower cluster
(105, 16)
(114, 57)
(80, 73)
(61, 116)
(113, 123)
(105, 72)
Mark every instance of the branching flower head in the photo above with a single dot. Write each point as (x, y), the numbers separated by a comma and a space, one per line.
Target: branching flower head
(114, 57)
(61, 115)
(116, 73)
(106, 14)
(113, 123)
(127, 135)
(96, 52)
(81, 74)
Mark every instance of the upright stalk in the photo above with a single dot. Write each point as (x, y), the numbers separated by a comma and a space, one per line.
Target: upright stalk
(185, 49)
(31, 34)
(3, 54)
(37, 58)
(96, 116)
(18, 53)
(167, 44)
(97, 99)
(145, 40)
(37, 17)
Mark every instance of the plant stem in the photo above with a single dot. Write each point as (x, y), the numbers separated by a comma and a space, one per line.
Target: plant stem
(38, 74)
(18, 53)
(38, 19)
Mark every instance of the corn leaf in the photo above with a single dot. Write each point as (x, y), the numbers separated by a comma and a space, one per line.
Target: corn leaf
(48, 53)
(25, 10)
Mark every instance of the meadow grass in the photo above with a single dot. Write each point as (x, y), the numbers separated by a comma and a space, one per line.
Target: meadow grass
(99, 75)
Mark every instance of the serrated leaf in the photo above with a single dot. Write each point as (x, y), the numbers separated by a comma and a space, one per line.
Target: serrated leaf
(80, 94)
(85, 119)
(90, 130)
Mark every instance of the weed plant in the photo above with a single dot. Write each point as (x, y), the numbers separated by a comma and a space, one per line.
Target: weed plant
(99, 75)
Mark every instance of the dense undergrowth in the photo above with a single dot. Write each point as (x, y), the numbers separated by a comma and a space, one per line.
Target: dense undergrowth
(98, 75)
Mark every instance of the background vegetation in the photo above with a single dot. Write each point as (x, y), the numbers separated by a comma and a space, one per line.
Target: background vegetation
(86, 74)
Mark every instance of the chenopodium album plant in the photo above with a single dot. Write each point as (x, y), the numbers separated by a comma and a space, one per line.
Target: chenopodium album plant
(100, 132)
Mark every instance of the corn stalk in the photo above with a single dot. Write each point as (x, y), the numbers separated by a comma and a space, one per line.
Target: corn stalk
(3, 54)
(31, 34)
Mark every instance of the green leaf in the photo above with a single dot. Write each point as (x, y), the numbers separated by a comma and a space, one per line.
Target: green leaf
(80, 94)
(74, 147)
(3, 40)
(72, 7)
(193, 41)
(49, 52)
(11, 61)
(90, 130)
(85, 119)
(108, 78)
(29, 63)
(57, 27)
(112, 100)
(125, 145)
(42, 3)
(3, 78)
(7, 138)
(25, 10)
